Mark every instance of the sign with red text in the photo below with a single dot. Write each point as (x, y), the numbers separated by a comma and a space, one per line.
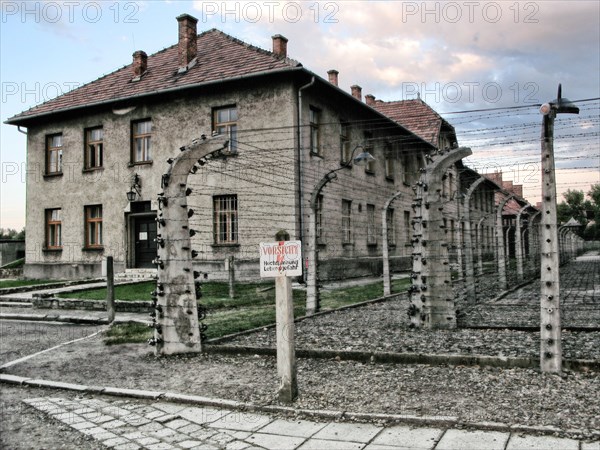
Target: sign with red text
(280, 259)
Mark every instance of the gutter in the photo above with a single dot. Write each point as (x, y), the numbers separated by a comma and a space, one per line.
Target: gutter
(300, 165)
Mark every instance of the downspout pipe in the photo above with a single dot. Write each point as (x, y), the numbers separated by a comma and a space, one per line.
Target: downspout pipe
(300, 165)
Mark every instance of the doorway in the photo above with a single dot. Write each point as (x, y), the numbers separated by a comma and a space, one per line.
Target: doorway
(144, 230)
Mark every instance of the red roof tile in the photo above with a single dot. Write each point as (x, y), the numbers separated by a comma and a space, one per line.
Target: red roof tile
(416, 116)
(220, 57)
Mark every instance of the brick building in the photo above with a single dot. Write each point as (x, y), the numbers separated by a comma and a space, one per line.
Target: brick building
(96, 156)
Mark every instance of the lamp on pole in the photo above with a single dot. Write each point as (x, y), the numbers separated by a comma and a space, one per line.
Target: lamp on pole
(312, 290)
(550, 332)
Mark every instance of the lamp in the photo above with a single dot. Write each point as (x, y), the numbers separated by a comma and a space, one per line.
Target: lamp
(134, 190)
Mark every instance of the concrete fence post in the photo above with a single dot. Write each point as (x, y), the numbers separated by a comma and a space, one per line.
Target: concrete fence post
(519, 243)
(231, 273)
(387, 276)
(468, 237)
(110, 289)
(501, 258)
(285, 329)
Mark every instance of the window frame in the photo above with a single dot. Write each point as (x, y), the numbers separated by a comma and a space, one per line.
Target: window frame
(231, 126)
(389, 162)
(346, 217)
(59, 150)
(57, 233)
(371, 225)
(97, 223)
(86, 149)
(391, 227)
(231, 215)
(368, 147)
(345, 150)
(147, 150)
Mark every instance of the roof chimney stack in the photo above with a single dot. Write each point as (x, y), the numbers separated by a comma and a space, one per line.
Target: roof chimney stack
(356, 92)
(280, 45)
(140, 64)
(188, 48)
(333, 76)
(370, 99)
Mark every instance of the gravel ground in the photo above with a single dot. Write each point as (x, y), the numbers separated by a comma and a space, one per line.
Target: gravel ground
(384, 327)
(471, 393)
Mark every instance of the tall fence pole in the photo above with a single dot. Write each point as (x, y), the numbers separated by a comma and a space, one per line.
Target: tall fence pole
(110, 289)
(550, 323)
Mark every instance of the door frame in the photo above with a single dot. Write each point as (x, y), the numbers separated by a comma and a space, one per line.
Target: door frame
(130, 234)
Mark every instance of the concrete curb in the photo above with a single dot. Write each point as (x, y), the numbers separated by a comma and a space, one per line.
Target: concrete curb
(408, 358)
(330, 415)
(67, 319)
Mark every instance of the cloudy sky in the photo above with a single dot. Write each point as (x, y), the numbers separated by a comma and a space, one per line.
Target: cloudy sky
(483, 65)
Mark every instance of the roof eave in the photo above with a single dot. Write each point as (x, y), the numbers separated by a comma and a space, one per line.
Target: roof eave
(23, 120)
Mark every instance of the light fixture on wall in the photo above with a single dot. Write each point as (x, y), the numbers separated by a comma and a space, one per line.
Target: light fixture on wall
(134, 190)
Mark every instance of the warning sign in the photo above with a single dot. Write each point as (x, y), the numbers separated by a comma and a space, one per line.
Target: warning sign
(280, 259)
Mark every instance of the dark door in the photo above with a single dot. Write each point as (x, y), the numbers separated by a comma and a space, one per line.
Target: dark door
(145, 244)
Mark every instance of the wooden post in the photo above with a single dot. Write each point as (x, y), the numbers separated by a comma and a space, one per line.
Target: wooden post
(231, 261)
(286, 351)
(110, 289)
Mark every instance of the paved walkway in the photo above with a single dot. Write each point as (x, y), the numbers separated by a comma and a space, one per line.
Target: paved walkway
(122, 424)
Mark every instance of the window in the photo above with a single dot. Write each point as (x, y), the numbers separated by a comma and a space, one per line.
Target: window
(225, 219)
(371, 237)
(141, 135)
(314, 117)
(450, 185)
(370, 167)
(54, 153)
(391, 226)
(93, 226)
(94, 148)
(53, 229)
(389, 162)
(345, 150)
(406, 168)
(319, 216)
(225, 123)
(346, 222)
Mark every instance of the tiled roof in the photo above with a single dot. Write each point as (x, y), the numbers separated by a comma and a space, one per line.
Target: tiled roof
(416, 116)
(220, 57)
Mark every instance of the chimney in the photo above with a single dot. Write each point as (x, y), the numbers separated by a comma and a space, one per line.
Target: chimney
(280, 45)
(356, 91)
(333, 76)
(518, 189)
(370, 100)
(140, 64)
(188, 48)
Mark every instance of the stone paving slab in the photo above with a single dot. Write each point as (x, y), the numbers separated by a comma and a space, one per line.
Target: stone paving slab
(473, 440)
(133, 424)
(403, 437)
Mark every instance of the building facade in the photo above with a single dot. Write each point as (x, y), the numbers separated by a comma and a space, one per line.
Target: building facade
(96, 156)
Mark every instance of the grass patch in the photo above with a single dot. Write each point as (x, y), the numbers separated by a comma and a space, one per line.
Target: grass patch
(253, 307)
(128, 333)
(20, 283)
